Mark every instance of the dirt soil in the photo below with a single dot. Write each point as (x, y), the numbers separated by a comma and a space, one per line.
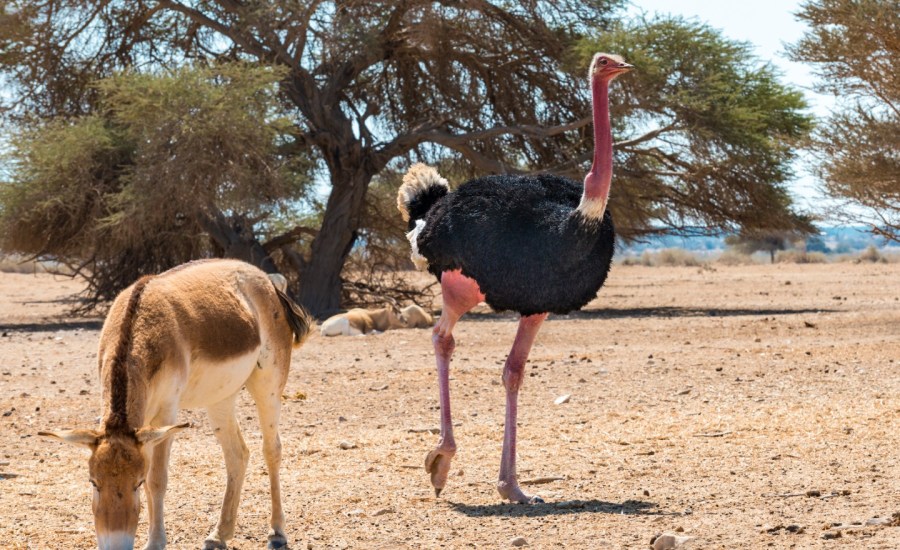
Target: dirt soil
(749, 407)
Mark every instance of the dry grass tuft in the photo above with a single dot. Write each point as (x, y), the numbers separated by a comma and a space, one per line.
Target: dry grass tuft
(668, 257)
(871, 255)
(800, 257)
(733, 257)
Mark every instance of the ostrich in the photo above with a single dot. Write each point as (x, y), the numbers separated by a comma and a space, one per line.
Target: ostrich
(535, 244)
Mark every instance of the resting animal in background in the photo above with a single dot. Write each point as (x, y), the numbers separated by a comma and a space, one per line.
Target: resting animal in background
(363, 321)
(531, 244)
(188, 338)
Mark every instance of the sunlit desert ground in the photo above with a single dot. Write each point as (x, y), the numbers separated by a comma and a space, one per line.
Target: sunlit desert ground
(746, 407)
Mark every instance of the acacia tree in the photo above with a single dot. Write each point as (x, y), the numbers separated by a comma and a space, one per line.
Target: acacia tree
(724, 131)
(854, 46)
(163, 160)
(370, 84)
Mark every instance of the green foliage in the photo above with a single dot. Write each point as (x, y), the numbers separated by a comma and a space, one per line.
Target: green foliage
(133, 187)
(730, 129)
(854, 48)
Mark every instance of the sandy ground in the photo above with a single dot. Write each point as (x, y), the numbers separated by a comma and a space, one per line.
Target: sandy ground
(708, 401)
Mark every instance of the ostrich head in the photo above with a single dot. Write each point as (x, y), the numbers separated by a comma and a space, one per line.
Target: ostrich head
(608, 66)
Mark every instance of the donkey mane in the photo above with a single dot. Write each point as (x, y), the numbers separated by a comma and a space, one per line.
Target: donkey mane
(117, 421)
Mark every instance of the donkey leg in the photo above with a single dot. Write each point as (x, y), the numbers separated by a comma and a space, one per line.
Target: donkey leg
(224, 423)
(156, 483)
(266, 386)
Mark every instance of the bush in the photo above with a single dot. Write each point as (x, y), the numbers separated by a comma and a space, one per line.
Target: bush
(800, 257)
(871, 255)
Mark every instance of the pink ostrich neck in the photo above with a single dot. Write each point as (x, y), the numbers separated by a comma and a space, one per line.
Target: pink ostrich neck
(597, 181)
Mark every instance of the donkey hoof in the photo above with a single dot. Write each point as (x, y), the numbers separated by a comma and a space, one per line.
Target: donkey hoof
(210, 544)
(275, 543)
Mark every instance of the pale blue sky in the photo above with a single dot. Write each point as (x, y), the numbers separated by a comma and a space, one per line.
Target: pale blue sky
(767, 24)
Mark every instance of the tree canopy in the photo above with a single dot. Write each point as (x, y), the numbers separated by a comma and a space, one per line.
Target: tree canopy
(723, 131)
(161, 160)
(704, 130)
(854, 47)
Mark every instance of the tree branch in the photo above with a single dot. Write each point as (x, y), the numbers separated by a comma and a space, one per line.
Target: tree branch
(251, 46)
(289, 237)
(433, 133)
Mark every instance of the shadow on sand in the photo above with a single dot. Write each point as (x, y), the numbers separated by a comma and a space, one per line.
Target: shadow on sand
(52, 326)
(628, 508)
(640, 312)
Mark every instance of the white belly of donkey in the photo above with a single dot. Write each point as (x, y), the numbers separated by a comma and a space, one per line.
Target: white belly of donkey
(212, 381)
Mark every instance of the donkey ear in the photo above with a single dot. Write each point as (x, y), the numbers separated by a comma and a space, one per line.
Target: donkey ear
(83, 438)
(152, 434)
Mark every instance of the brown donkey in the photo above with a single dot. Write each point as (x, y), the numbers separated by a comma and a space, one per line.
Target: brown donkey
(190, 337)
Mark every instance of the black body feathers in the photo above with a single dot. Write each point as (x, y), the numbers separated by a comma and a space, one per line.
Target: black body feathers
(520, 238)
(421, 203)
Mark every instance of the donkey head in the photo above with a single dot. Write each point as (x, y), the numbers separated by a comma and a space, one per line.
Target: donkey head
(117, 469)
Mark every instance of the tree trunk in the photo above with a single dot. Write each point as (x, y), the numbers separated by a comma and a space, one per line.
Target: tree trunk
(772, 255)
(237, 240)
(320, 282)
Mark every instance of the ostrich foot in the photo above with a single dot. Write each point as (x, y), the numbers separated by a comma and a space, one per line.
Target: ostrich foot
(437, 463)
(511, 492)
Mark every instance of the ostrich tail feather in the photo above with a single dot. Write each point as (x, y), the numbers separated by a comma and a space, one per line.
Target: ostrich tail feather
(422, 187)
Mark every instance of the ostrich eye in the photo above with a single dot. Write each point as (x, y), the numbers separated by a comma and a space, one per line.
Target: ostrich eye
(603, 61)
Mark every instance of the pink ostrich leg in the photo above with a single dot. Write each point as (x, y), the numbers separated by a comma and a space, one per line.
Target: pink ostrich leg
(513, 374)
(460, 294)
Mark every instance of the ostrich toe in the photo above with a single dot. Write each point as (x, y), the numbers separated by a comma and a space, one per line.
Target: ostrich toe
(512, 493)
(437, 463)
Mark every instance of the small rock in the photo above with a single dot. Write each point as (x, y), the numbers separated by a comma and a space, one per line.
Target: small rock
(379, 387)
(518, 541)
(434, 431)
(562, 399)
(813, 493)
(667, 541)
(878, 521)
(382, 512)
(341, 419)
(347, 445)
(83, 392)
(356, 513)
(796, 529)
(684, 392)
(831, 535)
